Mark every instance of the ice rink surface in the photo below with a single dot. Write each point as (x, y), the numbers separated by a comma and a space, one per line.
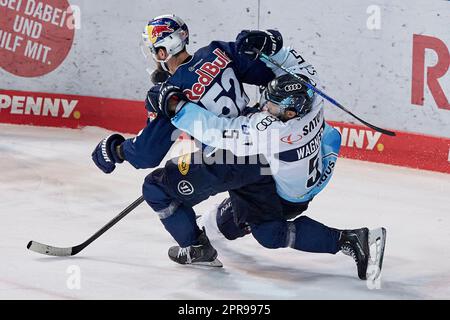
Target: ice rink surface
(50, 191)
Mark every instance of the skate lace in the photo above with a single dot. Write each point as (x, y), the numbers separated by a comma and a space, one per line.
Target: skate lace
(349, 251)
(185, 252)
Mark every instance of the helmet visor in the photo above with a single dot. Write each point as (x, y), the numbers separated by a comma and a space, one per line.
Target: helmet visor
(266, 103)
(149, 53)
(278, 105)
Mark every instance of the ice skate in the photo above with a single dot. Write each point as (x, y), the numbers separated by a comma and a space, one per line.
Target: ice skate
(357, 243)
(202, 253)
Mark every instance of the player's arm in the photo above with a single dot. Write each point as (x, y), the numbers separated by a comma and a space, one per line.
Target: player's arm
(146, 150)
(248, 68)
(269, 42)
(151, 145)
(294, 62)
(234, 134)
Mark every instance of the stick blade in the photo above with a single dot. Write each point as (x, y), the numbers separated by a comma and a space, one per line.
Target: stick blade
(49, 250)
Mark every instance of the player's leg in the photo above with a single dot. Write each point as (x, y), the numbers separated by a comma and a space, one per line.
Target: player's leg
(355, 243)
(303, 233)
(270, 229)
(219, 222)
(173, 190)
(258, 197)
(179, 220)
(306, 234)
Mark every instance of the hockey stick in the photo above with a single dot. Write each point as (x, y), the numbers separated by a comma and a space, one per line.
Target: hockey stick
(71, 251)
(321, 93)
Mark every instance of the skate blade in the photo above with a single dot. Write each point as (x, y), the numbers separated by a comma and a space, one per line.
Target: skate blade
(377, 237)
(216, 263)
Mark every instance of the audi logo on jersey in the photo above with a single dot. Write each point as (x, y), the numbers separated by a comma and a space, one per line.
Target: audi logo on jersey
(293, 87)
(265, 123)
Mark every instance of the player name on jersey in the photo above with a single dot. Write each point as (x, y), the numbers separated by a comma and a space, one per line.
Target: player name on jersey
(304, 151)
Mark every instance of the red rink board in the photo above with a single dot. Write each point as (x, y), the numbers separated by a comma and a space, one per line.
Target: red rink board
(405, 149)
(127, 116)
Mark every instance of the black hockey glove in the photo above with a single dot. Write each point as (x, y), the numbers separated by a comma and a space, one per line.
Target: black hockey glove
(151, 101)
(171, 100)
(108, 152)
(268, 42)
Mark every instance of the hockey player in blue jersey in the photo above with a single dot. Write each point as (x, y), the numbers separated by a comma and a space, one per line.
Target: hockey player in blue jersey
(212, 78)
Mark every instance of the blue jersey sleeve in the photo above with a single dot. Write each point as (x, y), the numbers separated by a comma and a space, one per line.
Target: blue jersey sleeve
(247, 70)
(151, 145)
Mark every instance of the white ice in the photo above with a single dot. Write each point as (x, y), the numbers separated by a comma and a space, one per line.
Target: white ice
(50, 191)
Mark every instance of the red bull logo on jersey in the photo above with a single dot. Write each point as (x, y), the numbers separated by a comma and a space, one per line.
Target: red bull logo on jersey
(155, 32)
(206, 75)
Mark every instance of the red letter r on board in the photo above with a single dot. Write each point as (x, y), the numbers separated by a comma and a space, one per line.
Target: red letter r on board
(420, 44)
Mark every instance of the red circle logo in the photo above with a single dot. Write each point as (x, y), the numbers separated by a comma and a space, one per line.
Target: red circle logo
(291, 140)
(35, 35)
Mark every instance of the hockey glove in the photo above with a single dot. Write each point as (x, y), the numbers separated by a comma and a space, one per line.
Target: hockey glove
(268, 42)
(171, 100)
(151, 102)
(107, 153)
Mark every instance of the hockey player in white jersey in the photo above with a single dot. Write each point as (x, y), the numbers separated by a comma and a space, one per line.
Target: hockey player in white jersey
(290, 131)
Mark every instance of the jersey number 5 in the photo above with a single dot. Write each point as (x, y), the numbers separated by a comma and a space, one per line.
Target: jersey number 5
(314, 173)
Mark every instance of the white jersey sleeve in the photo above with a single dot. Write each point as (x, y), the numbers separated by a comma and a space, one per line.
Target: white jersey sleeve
(292, 148)
(293, 61)
(242, 135)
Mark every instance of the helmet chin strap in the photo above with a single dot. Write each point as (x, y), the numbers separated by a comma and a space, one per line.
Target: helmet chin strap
(164, 66)
(163, 63)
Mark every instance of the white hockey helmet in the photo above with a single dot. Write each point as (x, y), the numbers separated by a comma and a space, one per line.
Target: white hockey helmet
(166, 31)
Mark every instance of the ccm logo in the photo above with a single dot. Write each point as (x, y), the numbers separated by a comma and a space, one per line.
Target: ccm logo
(293, 87)
(433, 73)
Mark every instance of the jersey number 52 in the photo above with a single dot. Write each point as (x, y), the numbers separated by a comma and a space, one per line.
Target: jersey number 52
(226, 98)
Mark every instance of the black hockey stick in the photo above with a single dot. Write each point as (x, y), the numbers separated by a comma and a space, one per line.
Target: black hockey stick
(71, 251)
(321, 93)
